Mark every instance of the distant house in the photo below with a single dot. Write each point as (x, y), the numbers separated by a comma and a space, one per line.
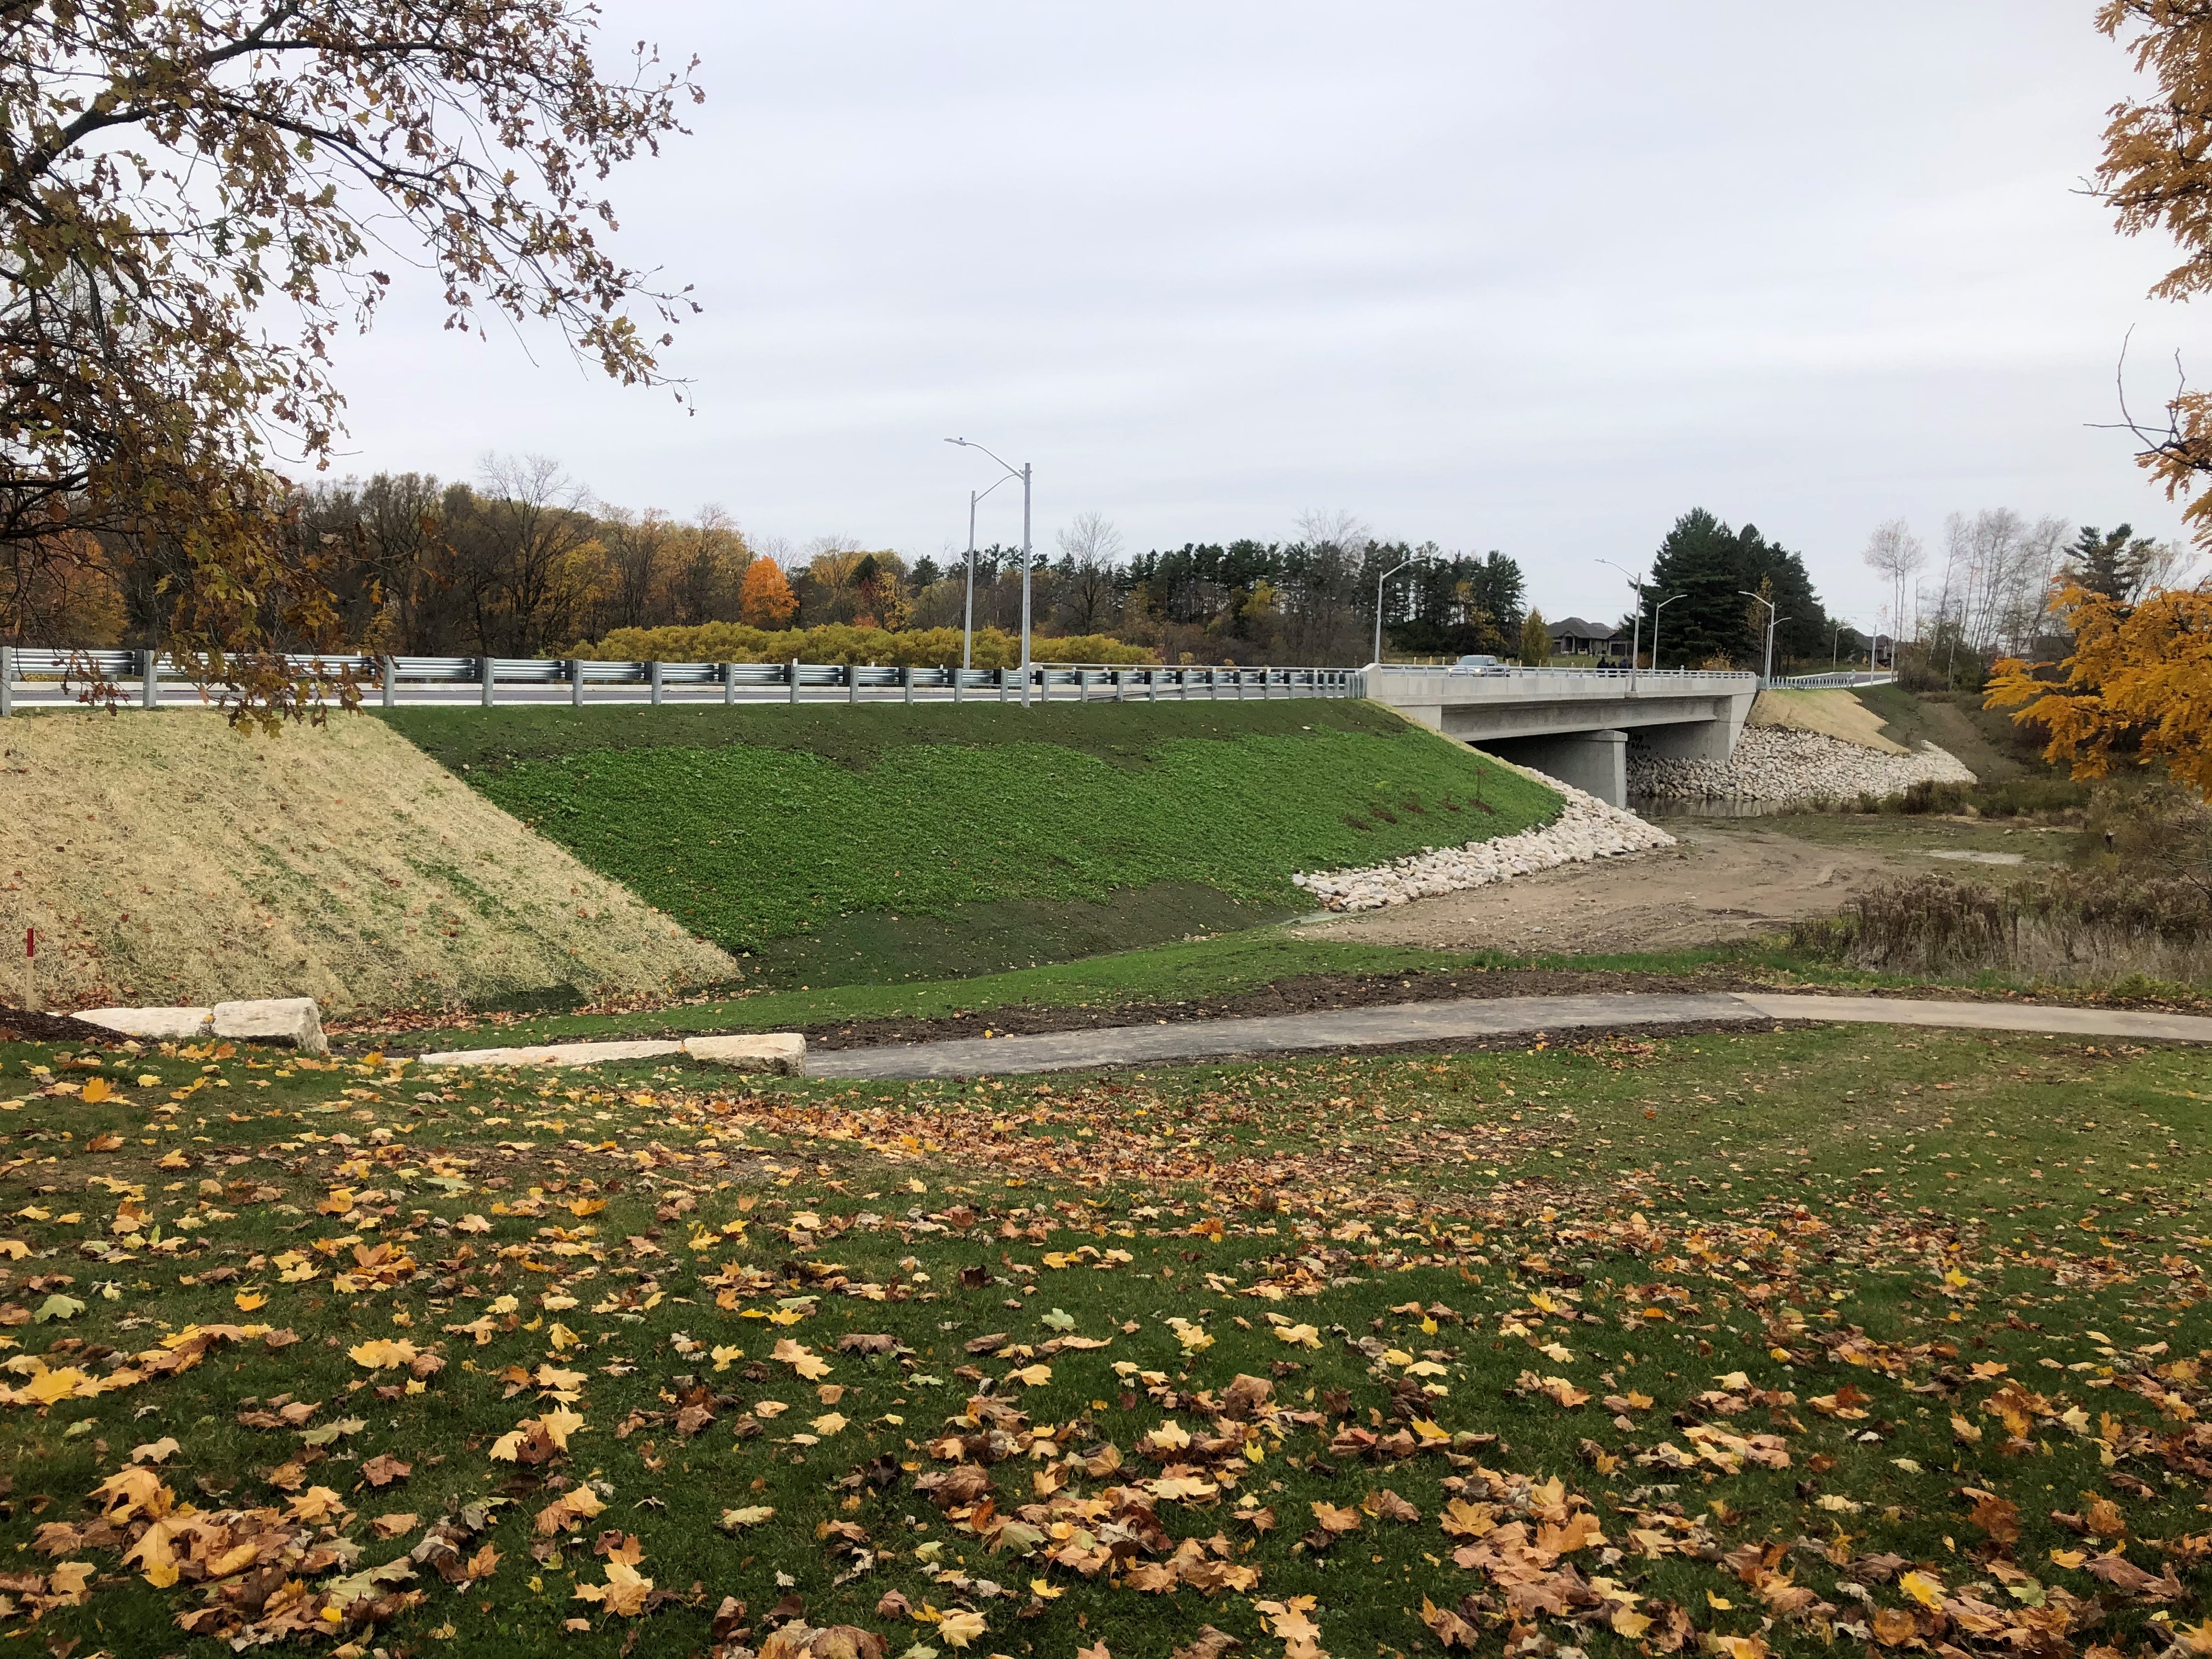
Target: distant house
(1573, 637)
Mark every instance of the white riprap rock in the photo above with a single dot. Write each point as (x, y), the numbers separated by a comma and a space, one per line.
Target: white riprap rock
(1775, 765)
(1586, 829)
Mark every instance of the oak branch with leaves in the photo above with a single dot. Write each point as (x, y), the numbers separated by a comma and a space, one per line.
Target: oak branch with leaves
(197, 194)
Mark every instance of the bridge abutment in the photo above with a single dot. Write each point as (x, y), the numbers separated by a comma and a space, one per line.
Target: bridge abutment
(1596, 762)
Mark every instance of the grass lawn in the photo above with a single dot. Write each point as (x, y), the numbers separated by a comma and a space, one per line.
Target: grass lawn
(1724, 1344)
(884, 843)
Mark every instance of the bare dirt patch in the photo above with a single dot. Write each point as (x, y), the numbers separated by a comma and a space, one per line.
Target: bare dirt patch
(1726, 881)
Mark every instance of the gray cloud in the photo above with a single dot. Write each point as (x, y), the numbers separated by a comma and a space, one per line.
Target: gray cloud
(1539, 283)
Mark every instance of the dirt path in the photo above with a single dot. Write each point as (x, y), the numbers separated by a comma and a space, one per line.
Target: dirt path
(1728, 880)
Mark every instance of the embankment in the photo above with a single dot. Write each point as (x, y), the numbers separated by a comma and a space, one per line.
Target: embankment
(870, 844)
(164, 858)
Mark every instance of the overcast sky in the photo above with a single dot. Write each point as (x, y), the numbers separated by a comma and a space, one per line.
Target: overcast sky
(1533, 278)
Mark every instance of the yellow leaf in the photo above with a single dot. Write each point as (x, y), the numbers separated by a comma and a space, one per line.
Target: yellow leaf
(249, 1300)
(559, 1425)
(96, 1089)
(960, 1626)
(801, 1359)
(382, 1353)
(1922, 1588)
(827, 1423)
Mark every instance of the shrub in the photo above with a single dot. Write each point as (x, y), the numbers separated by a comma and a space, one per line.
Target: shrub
(2074, 925)
(841, 642)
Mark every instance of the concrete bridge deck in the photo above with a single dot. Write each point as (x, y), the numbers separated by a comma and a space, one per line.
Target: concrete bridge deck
(1575, 723)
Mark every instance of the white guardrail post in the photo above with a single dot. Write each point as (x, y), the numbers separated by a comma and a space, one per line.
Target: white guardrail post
(150, 679)
(7, 681)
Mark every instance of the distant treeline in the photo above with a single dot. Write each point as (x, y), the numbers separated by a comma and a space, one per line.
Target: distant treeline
(523, 563)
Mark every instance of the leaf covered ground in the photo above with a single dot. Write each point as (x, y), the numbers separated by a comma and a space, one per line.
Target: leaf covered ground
(1734, 1345)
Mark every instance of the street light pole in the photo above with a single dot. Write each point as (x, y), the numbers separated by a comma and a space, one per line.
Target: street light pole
(1774, 620)
(1655, 609)
(967, 616)
(1379, 581)
(1636, 636)
(1023, 473)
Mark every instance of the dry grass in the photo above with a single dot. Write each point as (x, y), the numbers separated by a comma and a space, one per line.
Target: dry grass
(165, 858)
(1832, 714)
(2067, 927)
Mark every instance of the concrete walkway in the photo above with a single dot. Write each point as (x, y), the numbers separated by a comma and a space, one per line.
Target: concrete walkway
(1446, 1023)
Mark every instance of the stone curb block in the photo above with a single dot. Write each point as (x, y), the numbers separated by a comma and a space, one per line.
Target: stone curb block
(782, 1053)
(282, 1022)
(288, 1022)
(157, 1024)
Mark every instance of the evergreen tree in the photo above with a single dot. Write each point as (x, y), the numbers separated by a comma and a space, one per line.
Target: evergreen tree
(1713, 568)
(2112, 565)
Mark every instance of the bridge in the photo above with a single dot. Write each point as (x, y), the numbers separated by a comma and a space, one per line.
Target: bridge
(1574, 723)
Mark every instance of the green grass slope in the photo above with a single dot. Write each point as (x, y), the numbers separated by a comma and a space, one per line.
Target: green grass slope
(841, 844)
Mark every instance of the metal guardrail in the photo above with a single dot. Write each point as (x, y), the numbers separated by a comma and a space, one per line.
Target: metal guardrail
(1505, 671)
(35, 678)
(1837, 681)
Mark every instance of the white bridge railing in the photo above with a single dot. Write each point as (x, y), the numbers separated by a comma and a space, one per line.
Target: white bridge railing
(53, 678)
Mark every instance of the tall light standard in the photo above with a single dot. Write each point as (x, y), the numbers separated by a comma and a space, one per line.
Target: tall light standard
(1636, 639)
(1655, 609)
(1774, 620)
(1379, 581)
(967, 615)
(1023, 473)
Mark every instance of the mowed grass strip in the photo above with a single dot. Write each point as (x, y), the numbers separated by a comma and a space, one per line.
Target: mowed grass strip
(754, 824)
(1733, 1345)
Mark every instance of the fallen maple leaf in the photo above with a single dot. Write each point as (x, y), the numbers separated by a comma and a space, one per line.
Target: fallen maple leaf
(961, 1626)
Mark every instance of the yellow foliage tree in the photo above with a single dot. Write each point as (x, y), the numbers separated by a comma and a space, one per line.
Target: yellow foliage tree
(2140, 675)
(2157, 174)
(764, 598)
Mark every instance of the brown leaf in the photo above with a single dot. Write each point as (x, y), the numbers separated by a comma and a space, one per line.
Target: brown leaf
(384, 1468)
(1209, 1643)
(1451, 1630)
(1998, 1516)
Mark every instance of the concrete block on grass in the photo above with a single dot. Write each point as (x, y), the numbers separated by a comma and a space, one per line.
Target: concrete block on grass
(154, 1024)
(781, 1052)
(289, 1022)
(554, 1053)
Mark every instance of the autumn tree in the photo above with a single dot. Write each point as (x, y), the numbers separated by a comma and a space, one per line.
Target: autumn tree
(2139, 681)
(1535, 641)
(765, 598)
(194, 194)
(2156, 173)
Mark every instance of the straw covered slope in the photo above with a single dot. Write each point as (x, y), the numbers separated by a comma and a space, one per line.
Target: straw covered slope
(165, 859)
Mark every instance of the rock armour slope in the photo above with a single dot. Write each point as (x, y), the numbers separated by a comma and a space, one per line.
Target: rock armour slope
(1586, 829)
(1775, 765)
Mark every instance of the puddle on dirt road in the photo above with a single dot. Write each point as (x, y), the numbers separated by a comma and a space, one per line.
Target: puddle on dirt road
(1650, 806)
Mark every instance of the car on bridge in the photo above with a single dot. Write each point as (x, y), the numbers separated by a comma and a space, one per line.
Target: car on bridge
(1479, 665)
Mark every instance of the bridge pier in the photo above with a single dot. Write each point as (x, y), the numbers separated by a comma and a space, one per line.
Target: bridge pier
(1596, 762)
